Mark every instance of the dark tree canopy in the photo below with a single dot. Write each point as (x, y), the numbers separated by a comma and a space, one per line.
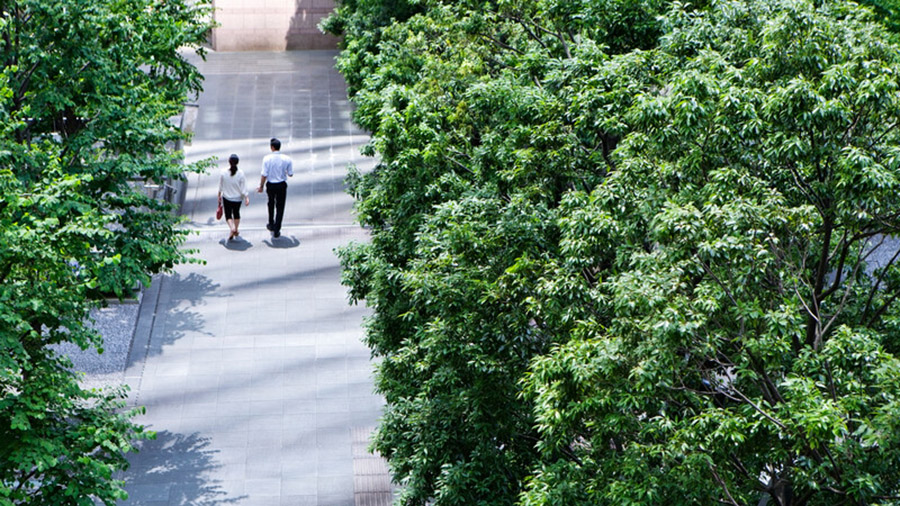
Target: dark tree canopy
(87, 90)
(887, 12)
(630, 251)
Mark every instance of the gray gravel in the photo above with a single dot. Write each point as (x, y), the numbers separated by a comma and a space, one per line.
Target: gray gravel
(116, 324)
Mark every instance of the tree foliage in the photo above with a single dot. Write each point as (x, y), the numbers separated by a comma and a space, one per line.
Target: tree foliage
(631, 251)
(887, 12)
(87, 90)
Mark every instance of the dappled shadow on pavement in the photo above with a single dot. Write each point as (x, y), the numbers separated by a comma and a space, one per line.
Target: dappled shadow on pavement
(177, 316)
(174, 469)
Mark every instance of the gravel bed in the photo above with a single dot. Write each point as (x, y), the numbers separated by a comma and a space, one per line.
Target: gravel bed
(116, 324)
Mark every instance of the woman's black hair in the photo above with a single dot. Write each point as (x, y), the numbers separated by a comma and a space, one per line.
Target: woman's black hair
(233, 161)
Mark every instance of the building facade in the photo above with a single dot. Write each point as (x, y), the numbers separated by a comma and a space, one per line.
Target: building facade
(270, 25)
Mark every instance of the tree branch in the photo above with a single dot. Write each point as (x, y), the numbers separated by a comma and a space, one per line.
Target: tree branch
(460, 165)
(722, 484)
(739, 466)
(545, 30)
(719, 282)
(501, 44)
(849, 132)
(887, 130)
(813, 322)
(882, 309)
(805, 189)
(26, 80)
(844, 247)
(752, 404)
(27, 479)
(527, 30)
(837, 312)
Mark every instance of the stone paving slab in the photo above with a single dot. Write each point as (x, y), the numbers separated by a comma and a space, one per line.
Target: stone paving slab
(251, 365)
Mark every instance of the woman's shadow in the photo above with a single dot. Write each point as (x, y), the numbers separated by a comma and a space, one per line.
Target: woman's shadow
(236, 244)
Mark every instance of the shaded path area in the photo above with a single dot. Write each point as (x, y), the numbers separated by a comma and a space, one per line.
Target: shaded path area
(251, 365)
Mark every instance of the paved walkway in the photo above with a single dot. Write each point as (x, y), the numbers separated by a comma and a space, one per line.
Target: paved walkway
(251, 365)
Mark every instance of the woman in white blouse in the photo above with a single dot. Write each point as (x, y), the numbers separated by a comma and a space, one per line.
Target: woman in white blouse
(233, 189)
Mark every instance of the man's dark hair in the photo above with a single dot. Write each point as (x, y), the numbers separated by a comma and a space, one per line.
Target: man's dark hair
(275, 143)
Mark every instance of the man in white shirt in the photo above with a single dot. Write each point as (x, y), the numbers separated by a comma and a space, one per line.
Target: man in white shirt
(276, 168)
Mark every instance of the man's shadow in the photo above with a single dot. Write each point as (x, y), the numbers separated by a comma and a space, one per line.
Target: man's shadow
(282, 242)
(174, 469)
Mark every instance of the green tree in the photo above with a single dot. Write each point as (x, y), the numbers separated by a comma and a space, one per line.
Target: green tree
(482, 125)
(87, 90)
(748, 344)
(887, 12)
(631, 252)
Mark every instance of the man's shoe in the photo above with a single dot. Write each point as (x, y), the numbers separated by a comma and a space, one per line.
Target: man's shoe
(269, 227)
(276, 234)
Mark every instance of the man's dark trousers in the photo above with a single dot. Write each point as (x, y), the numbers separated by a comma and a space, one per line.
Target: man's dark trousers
(277, 193)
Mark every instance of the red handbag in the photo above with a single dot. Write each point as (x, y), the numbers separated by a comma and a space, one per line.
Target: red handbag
(219, 211)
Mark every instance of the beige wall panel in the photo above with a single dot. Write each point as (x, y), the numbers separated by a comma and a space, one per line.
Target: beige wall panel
(271, 25)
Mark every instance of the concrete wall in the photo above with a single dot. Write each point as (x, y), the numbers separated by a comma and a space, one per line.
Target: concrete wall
(271, 25)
